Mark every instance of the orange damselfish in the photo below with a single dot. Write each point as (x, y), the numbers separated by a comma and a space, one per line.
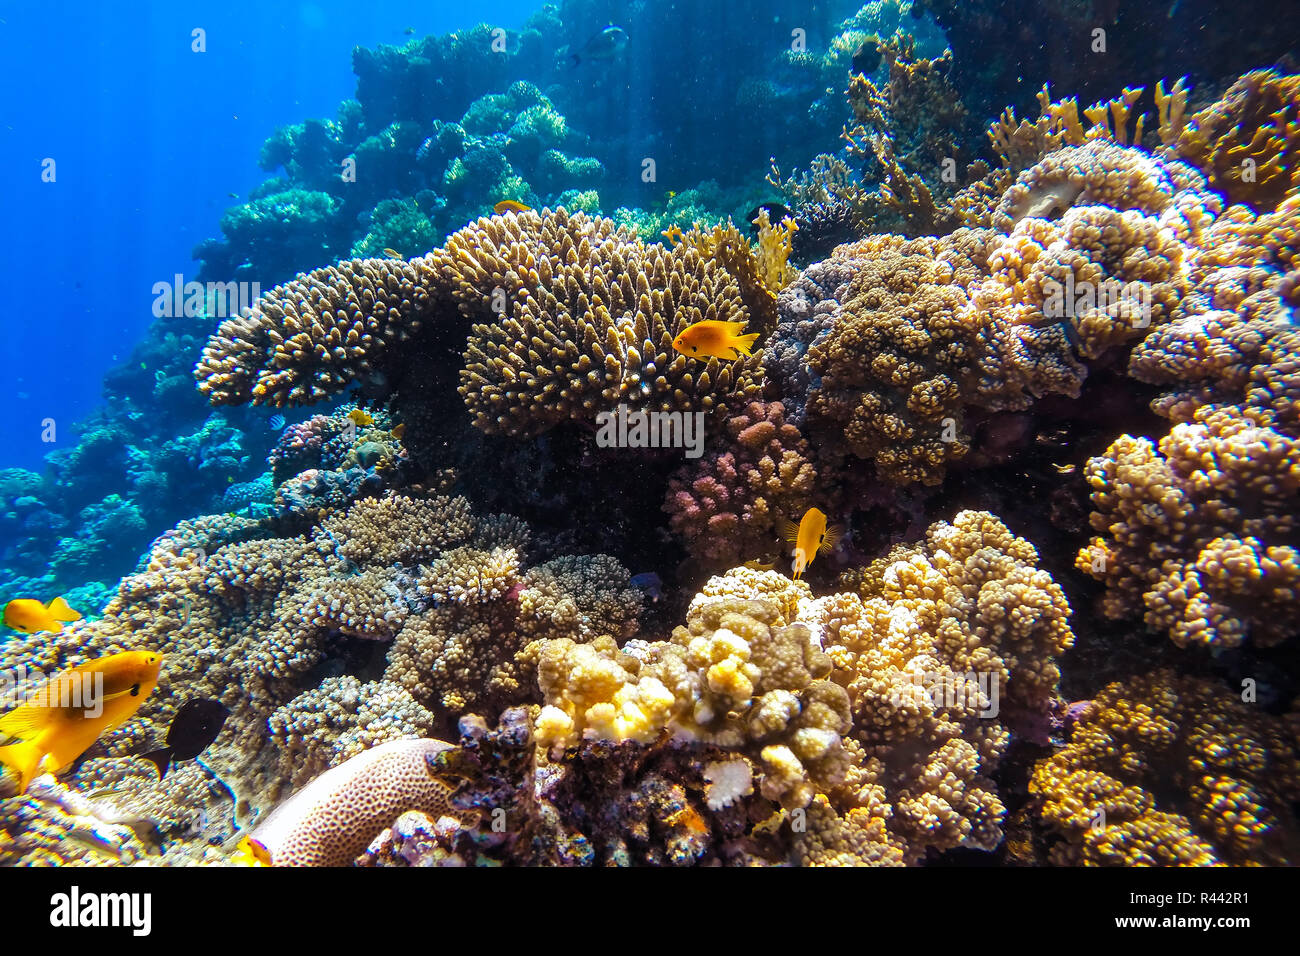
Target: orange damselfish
(29, 616)
(810, 538)
(714, 338)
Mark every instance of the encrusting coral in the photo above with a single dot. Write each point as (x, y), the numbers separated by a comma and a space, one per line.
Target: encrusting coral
(1166, 770)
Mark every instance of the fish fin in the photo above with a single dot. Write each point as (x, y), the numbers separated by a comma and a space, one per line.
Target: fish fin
(830, 539)
(789, 530)
(745, 343)
(24, 759)
(24, 722)
(60, 611)
(161, 758)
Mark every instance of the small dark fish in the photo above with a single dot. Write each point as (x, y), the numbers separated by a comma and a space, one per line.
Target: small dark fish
(605, 45)
(776, 212)
(193, 728)
(867, 57)
(649, 583)
(276, 422)
(233, 195)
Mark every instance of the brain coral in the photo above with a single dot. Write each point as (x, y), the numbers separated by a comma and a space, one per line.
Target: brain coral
(1168, 770)
(333, 819)
(574, 316)
(728, 505)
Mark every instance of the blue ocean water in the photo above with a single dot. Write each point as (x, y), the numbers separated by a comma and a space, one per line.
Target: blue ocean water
(149, 140)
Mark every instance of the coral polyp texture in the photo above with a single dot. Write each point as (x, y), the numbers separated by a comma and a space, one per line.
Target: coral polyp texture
(1164, 770)
(575, 316)
(310, 338)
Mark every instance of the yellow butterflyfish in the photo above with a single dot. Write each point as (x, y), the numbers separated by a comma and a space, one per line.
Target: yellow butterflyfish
(63, 717)
(810, 538)
(29, 616)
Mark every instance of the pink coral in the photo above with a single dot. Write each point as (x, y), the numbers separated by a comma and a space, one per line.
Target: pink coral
(727, 505)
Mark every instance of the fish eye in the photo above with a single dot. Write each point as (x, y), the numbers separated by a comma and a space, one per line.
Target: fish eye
(135, 690)
(694, 349)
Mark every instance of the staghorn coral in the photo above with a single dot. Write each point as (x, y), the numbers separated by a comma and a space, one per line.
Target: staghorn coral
(1248, 142)
(897, 361)
(728, 506)
(1164, 770)
(333, 819)
(584, 321)
(313, 336)
(1197, 535)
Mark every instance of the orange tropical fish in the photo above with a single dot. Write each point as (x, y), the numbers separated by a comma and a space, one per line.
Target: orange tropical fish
(64, 716)
(250, 852)
(509, 205)
(398, 431)
(810, 538)
(715, 338)
(360, 417)
(29, 616)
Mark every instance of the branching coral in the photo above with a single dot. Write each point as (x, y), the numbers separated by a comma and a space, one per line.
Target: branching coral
(1199, 535)
(1168, 770)
(316, 334)
(574, 317)
(1248, 142)
(728, 506)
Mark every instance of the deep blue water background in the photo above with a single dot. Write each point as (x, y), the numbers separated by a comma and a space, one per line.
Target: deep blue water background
(149, 138)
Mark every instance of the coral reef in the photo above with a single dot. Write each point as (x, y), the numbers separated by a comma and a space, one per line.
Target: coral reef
(1164, 770)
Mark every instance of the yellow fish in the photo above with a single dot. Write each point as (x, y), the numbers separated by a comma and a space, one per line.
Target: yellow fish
(715, 338)
(250, 852)
(810, 538)
(394, 254)
(64, 716)
(30, 616)
(359, 417)
(398, 431)
(509, 205)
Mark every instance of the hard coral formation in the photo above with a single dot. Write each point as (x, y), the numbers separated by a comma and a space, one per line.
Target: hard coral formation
(894, 367)
(574, 317)
(1166, 770)
(1197, 533)
(730, 504)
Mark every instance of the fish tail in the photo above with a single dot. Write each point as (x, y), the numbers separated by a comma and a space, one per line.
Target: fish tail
(60, 610)
(744, 343)
(161, 758)
(24, 760)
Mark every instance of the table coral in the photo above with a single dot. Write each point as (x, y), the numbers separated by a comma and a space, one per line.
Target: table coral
(728, 506)
(1168, 770)
(1196, 533)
